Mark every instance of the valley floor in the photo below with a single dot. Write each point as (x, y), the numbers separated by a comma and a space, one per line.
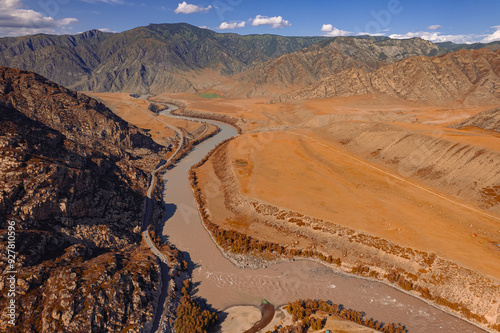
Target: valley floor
(389, 171)
(357, 178)
(289, 158)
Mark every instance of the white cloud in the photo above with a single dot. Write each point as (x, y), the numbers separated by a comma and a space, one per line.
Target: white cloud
(370, 34)
(274, 22)
(330, 30)
(107, 30)
(436, 37)
(203, 27)
(492, 37)
(186, 8)
(15, 20)
(231, 25)
(327, 27)
(382, 33)
(434, 27)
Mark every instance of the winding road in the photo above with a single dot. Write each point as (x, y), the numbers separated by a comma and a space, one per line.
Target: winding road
(223, 285)
(164, 268)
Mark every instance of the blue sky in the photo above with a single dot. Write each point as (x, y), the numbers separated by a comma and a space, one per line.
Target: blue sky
(446, 20)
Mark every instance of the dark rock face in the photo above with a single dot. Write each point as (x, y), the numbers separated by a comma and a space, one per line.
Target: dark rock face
(73, 176)
(78, 117)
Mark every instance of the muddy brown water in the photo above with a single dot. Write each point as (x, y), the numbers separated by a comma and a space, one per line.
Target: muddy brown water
(267, 311)
(223, 285)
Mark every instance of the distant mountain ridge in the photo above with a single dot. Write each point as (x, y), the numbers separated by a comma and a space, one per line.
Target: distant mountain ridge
(469, 76)
(326, 58)
(450, 46)
(183, 58)
(155, 58)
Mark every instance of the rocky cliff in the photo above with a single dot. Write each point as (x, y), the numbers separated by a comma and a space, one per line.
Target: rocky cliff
(73, 177)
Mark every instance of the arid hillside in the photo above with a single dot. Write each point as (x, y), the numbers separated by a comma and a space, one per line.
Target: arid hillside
(324, 59)
(465, 76)
(155, 58)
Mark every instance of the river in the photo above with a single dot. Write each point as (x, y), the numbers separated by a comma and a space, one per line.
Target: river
(223, 285)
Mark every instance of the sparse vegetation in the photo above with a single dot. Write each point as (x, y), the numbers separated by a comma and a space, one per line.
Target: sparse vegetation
(210, 95)
(153, 107)
(241, 163)
(233, 121)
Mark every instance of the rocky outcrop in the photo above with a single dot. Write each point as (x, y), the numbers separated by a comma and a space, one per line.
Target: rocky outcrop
(78, 117)
(84, 290)
(73, 177)
(488, 120)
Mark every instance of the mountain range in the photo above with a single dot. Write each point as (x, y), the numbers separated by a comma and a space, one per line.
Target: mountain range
(464, 76)
(155, 58)
(299, 69)
(183, 58)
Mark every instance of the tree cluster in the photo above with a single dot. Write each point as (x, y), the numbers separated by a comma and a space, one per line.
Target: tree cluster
(191, 318)
(302, 310)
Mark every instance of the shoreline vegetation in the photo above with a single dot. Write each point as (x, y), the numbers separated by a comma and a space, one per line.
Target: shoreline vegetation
(182, 312)
(186, 314)
(229, 120)
(246, 251)
(302, 311)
